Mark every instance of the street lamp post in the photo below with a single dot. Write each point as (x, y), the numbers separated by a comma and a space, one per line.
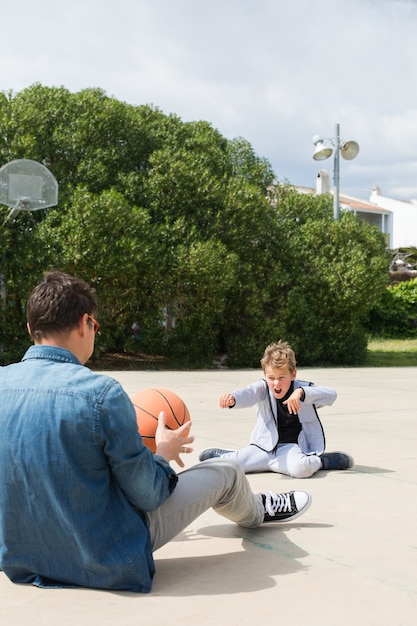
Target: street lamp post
(349, 150)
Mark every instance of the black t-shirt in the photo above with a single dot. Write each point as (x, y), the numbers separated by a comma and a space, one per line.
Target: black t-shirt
(289, 426)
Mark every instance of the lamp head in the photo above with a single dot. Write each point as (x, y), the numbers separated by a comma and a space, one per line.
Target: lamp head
(349, 150)
(322, 151)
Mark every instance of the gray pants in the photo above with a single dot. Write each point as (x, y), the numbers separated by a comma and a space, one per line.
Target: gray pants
(217, 483)
(288, 459)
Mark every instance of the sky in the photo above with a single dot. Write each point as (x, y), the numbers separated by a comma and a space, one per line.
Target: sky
(275, 72)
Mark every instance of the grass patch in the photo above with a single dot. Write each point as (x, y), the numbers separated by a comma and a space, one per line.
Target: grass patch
(391, 353)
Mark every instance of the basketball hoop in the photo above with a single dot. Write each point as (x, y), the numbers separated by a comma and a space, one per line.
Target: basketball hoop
(27, 185)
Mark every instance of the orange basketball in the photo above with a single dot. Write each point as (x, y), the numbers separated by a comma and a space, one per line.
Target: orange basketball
(148, 404)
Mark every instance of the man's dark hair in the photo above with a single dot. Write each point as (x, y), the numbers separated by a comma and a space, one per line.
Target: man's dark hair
(57, 303)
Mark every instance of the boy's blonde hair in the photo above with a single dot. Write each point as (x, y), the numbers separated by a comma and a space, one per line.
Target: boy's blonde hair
(278, 355)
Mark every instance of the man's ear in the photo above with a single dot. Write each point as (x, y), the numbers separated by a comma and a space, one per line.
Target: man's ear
(82, 324)
(28, 328)
(294, 375)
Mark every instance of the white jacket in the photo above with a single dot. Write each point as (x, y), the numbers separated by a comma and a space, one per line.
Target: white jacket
(265, 434)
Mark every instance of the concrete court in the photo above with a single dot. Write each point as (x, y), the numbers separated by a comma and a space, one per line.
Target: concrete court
(350, 560)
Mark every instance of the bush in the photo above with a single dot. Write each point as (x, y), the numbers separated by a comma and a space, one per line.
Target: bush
(395, 315)
(332, 274)
(191, 252)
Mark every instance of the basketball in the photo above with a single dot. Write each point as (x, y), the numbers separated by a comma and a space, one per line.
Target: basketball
(148, 404)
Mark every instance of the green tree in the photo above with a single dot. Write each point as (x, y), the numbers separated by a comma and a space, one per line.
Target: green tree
(85, 138)
(395, 313)
(197, 299)
(187, 178)
(334, 272)
(111, 244)
(178, 229)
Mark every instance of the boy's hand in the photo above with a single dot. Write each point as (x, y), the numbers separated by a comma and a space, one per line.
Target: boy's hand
(294, 401)
(227, 400)
(171, 443)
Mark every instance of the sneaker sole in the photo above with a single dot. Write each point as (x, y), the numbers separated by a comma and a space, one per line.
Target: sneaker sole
(341, 469)
(212, 457)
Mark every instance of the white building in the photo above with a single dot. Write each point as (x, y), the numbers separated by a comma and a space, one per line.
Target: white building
(373, 213)
(404, 219)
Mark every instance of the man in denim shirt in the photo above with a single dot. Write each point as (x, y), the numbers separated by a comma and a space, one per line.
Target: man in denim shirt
(83, 502)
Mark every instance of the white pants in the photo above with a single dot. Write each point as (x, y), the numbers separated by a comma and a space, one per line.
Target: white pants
(288, 459)
(220, 484)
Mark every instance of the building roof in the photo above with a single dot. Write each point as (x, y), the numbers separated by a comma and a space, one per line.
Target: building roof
(349, 202)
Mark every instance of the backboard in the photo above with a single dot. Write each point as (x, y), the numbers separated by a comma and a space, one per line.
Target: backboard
(27, 185)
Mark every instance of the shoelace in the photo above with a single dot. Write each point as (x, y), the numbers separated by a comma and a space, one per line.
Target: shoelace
(277, 503)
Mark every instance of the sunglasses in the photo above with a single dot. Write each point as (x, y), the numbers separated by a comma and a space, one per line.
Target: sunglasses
(94, 322)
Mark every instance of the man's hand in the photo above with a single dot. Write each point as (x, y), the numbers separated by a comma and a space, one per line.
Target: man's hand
(171, 443)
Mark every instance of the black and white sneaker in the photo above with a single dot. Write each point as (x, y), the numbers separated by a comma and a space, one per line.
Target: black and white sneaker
(212, 453)
(284, 507)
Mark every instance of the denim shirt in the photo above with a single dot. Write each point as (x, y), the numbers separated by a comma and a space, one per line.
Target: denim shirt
(75, 477)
